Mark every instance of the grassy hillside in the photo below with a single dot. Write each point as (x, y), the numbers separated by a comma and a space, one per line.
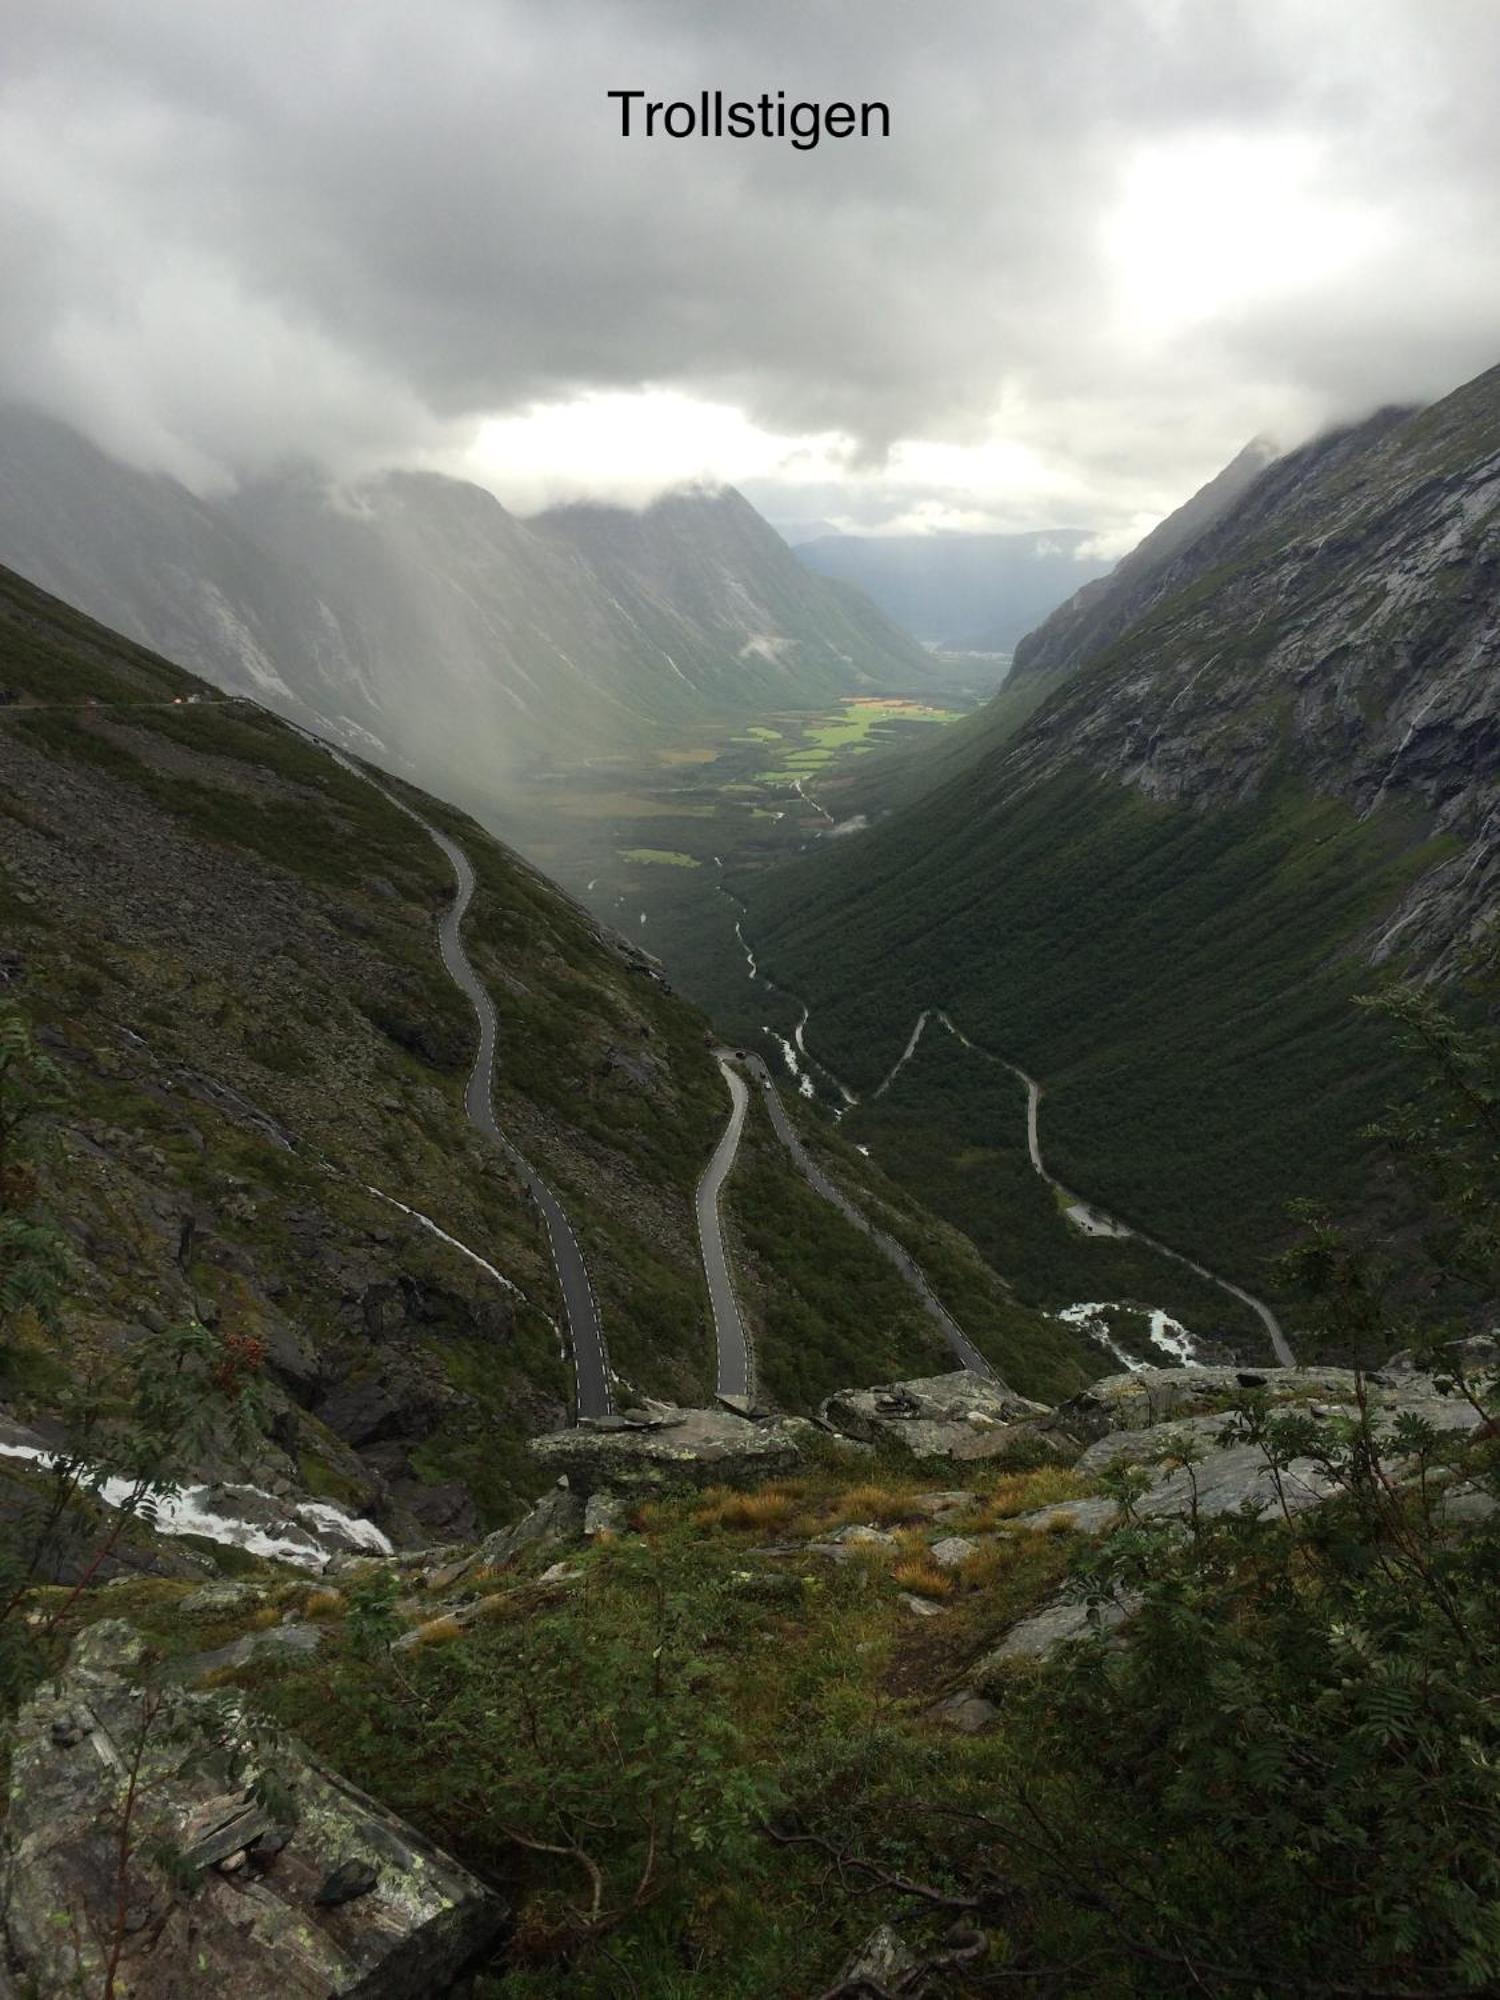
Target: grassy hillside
(228, 943)
(1180, 982)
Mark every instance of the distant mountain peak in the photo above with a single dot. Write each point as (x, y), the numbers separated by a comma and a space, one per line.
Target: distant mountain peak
(409, 608)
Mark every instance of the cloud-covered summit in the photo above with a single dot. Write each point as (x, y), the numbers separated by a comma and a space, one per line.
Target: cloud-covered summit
(1105, 241)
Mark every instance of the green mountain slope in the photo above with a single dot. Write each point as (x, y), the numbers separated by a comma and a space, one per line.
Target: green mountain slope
(1158, 895)
(228, 942)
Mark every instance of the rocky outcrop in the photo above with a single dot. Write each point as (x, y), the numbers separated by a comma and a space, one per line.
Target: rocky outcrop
(881, 1961)
(667, 1445)
(1095, 616)
(960, 1415)
(1337, 618)
(1057, 1624)
(1122, 1407)
(159, 1833)
(556, 1518)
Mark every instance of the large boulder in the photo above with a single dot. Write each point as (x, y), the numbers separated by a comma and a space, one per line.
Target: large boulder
(248, 1871)
(961, 1415)
(666, 1446)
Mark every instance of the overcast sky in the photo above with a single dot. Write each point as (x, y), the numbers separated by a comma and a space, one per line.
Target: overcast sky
(1106, 242)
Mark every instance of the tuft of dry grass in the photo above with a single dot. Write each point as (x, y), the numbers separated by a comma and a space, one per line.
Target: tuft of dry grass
(881, 1506)
(323, 1603)
(1024, 1492)
(496, 1605)
(921, 1576)
(772, 1507)
(988, 1562)
(437, 1631)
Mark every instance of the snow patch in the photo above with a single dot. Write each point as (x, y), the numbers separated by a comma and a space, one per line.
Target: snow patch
(452, 1241)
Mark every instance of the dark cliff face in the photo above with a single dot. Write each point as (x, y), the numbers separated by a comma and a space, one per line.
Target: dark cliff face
(1104, 608)
(1339, 622)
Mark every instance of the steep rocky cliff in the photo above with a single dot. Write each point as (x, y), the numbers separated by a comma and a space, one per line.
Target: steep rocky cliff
(1339, 620)
(1106, 606)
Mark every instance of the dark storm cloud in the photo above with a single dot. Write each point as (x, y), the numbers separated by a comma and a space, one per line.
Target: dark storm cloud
(237, 230)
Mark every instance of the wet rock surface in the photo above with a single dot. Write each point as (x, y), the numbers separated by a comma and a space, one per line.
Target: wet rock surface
(672, 1445)
(248, 1906)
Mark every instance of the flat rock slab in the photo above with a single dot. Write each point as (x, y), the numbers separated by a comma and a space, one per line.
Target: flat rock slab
(338, 1898)
(712, 1447)
(1057, 1624)
(953, 1551)
(1222, 1483)
(1228, 1481)
(1079, 1517)
(220, 1599)
(934, 1505)
(1467, 1507)
(276, 1642)
(1208, 1429)
(1138, 1447)
(959, 1415)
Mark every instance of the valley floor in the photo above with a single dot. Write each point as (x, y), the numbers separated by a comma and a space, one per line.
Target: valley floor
(660, 848)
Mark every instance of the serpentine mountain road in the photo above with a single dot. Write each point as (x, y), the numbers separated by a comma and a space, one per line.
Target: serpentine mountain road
(968, 1355)
(736, 1366)
(590, 1362)
(735, 1363)
(593, 1394)
(1093, 1221)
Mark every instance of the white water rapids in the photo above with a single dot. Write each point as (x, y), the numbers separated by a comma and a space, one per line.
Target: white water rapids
(291, 1537)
